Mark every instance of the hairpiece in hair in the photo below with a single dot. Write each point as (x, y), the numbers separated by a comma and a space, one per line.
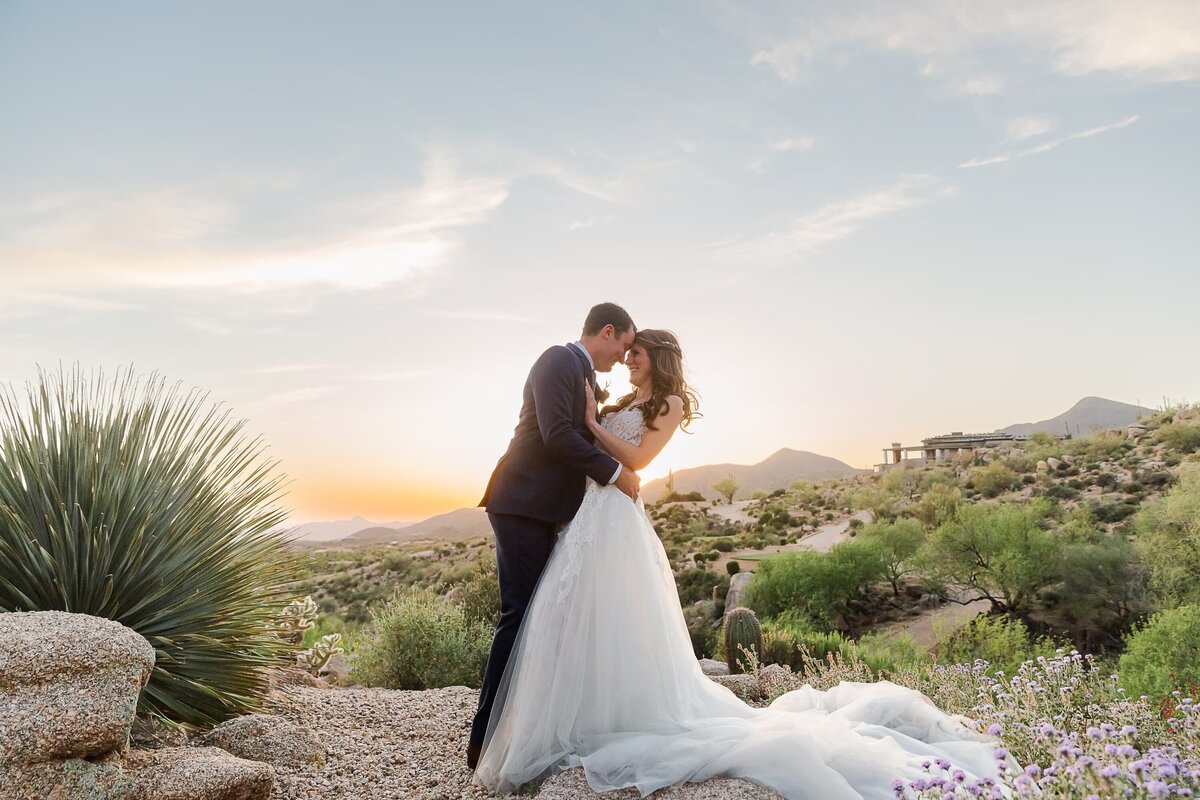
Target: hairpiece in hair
(674, 348)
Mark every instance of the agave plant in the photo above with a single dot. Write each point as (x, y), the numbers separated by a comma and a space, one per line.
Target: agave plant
(144, 504)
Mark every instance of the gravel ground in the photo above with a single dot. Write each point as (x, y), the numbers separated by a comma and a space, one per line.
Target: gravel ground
(385, 744)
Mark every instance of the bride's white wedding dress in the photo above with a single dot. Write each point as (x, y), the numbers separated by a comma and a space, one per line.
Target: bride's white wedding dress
(603, 676)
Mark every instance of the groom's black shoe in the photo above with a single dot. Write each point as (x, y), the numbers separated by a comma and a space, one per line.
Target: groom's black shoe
(472, 756)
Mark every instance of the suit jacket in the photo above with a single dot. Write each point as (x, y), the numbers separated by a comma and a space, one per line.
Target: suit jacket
(542, 473)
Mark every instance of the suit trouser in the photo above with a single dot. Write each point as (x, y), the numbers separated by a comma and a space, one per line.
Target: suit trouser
(523, 546)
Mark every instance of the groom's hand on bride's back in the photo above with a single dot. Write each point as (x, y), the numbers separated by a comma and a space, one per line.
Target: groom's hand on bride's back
(629, 483)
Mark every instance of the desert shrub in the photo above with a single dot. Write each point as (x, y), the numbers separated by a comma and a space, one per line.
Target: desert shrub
(1113, 510)
(723, 545)
(700, 619)
(1157, 478)
(132, 501)
(1163, 653)
(689, 497)
(1042, 445)
(1106, 480)
(818, 586)
(420, 640)
(938, 504)
(697, 584)
(1181, 436)
(1168, 533)
(1099, 445)
(480, 593)
(780, 646)
(994, 479)
(888, 654)
(1001, 641)
(733, 567)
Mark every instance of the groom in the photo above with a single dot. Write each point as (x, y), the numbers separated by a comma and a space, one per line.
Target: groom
(538, 484)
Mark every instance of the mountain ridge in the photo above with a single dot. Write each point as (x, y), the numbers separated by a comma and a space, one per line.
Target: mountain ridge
(1088, 414)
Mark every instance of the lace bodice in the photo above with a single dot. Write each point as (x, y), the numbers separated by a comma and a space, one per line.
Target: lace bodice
(626, 424)
(579, 533)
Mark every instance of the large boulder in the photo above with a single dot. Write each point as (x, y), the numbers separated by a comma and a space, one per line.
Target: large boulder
(572, 785)
(710, 666)
(174, 773)
(744, 686)
(71, 684)
(196, 773)
(262, 737)
(737, 588)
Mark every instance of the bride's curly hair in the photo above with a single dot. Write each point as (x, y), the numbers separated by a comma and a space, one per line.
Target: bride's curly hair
(666, 379)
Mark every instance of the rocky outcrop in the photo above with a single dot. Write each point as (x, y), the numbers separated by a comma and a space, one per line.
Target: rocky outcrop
(70, 690)
(262, 737)
(744, 686)
(572, 785)
(711, 667)
(71, 684)
(175, 773)
(737, 588)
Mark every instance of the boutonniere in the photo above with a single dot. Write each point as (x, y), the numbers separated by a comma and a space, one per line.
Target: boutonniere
(601, 393)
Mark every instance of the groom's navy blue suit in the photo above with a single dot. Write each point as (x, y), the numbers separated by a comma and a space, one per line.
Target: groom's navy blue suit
(537, 485)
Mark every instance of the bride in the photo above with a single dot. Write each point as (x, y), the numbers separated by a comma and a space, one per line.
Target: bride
(603, 675)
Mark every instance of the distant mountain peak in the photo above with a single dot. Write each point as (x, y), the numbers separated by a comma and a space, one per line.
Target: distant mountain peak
(777, 471)
(1088, 414)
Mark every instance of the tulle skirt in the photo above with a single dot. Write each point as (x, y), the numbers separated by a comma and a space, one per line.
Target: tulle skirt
(603, 676)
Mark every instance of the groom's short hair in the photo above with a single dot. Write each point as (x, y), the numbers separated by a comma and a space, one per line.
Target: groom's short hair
(607, 314)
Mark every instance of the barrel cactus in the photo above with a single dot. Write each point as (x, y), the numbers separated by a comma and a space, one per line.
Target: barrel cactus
(742, 633)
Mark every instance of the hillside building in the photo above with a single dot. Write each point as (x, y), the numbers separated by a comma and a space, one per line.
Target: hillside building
(942, 448)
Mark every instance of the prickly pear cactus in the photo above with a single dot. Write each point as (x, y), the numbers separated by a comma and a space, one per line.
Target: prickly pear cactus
(742, 630)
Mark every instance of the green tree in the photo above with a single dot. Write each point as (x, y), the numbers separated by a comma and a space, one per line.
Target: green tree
(1104, 590)
(1168, 533)
(899, 541)
(996, 553)
(727, 487)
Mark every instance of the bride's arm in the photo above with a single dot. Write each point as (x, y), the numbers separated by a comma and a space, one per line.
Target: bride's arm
(637, 456)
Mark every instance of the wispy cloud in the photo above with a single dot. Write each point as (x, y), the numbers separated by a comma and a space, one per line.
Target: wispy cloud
(286, 368)
(590, 222)
(811, 232)
(387, 377)
(793, 143)
(180, 238)
(1153, 40)
(979, 86)
(1046, 146)
(297, 395)
(1027, 128)
(484, 316)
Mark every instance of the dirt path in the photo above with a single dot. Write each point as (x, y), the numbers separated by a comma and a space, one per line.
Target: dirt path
(734, 512)
(950, 617)
(821, 540)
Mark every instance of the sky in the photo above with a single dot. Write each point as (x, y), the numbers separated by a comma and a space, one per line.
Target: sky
(358, 225)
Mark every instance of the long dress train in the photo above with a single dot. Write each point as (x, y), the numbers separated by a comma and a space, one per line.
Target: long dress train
(603, 676)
